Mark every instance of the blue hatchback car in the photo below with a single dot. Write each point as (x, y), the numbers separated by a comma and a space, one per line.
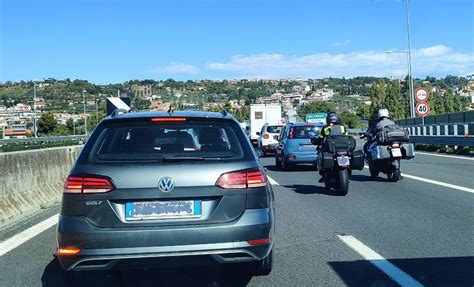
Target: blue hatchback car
(294, 145)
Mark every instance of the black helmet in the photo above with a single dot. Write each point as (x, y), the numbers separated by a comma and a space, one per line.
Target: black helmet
(331, 118)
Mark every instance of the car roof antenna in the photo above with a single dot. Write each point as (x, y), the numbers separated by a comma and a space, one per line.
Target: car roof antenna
(170, 111)
(224, 112)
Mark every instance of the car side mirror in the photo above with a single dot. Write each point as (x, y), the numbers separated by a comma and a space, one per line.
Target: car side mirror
(277, 138)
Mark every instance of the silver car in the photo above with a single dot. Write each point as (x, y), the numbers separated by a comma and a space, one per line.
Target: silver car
(160, 184)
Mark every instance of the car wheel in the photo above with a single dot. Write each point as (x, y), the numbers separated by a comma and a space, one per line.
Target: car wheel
(264, 267)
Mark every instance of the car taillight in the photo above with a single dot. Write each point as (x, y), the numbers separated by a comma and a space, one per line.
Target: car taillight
(266, 136)
(79, 184)
(291, 133)
(242, 179)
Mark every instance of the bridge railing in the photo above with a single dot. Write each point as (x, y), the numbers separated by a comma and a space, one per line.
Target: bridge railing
(42, 139)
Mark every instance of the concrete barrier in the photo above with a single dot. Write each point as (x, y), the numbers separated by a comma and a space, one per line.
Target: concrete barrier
(32, 180)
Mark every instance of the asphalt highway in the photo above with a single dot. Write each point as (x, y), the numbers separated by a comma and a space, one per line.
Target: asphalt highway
(413, 232)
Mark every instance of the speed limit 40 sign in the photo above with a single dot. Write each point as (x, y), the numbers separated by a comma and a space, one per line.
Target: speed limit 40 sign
(422, 109)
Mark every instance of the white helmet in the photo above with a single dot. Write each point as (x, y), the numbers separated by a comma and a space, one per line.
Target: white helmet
(382, 113)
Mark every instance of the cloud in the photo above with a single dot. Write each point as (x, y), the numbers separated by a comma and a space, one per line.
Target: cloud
(177, 68)
(342, 43)
(436, 60)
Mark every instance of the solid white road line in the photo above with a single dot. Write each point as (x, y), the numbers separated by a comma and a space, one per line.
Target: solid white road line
(379, 261)
(272, 181)
(443, 155)
(17, 240)
(453, 186)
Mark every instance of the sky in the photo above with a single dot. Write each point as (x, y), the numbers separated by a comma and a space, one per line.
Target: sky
(106, 41)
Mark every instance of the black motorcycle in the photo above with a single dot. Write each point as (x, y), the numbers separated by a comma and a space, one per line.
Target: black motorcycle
(336, 159)
(384, 152)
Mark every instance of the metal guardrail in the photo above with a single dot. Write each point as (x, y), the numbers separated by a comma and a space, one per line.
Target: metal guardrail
(43, 139)
(444, 140)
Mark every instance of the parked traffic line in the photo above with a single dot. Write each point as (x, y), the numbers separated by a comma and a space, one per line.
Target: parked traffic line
(17, 240)
(435, 182)
(392, 271)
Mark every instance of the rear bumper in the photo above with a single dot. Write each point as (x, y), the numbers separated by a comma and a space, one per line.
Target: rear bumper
(269, 147)
(301, 158)
(102, 248)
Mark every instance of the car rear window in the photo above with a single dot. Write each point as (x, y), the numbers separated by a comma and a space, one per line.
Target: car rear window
(274, 129)
(305, 132)
(189, 140)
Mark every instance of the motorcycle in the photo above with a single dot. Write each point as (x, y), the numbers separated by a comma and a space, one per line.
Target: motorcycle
(336, 160)
(386, 150)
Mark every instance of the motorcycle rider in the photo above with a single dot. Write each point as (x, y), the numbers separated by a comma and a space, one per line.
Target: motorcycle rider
(333, 127)
(383, 120)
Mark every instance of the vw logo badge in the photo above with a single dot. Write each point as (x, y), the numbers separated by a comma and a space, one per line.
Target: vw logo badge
(166, 184)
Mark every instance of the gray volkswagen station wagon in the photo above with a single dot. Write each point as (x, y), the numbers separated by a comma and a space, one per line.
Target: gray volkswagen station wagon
(166, 184)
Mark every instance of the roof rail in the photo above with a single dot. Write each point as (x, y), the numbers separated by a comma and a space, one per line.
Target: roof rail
(117, 112)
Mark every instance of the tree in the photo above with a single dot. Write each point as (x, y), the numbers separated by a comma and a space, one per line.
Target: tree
(349, 120)
(378, 93)
(363, 110)
(393, 101)
(46, 123)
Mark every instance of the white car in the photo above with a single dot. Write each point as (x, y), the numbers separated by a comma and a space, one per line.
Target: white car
(268, 138)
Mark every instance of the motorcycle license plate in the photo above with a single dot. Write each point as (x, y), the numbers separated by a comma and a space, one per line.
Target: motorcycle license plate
(343, 160)
(396, 152)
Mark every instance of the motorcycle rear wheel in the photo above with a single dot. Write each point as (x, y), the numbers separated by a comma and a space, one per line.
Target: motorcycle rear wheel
(343, 182)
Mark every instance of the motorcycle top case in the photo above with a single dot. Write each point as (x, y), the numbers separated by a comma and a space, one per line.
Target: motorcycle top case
(339, 143)
(357, 160)
(392, 133)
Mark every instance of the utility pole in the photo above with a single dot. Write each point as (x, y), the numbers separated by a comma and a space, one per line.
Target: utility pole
(85, 115)
(34, 108)
(73, 119)
(96, 111)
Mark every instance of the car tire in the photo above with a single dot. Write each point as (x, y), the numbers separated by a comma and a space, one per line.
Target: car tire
(264, 267)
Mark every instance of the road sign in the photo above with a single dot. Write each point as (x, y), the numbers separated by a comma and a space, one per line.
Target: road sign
(421, 94)
(117, 103)
(316, 118)
(422, 109)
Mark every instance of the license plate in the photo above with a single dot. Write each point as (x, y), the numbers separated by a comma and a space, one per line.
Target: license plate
(396, 152)
(343, 160)
(163, 209)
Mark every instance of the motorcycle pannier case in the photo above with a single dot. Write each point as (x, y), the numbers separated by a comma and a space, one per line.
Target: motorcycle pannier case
(393, 133)
(327, 160)
(357, 161)
(380, 152)
(408, 150)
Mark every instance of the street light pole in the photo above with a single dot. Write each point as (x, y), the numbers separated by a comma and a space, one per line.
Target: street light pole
(410, 75)
(34, 108)
(85, 115)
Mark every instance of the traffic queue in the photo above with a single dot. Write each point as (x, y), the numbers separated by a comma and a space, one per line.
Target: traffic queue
(323, 142)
